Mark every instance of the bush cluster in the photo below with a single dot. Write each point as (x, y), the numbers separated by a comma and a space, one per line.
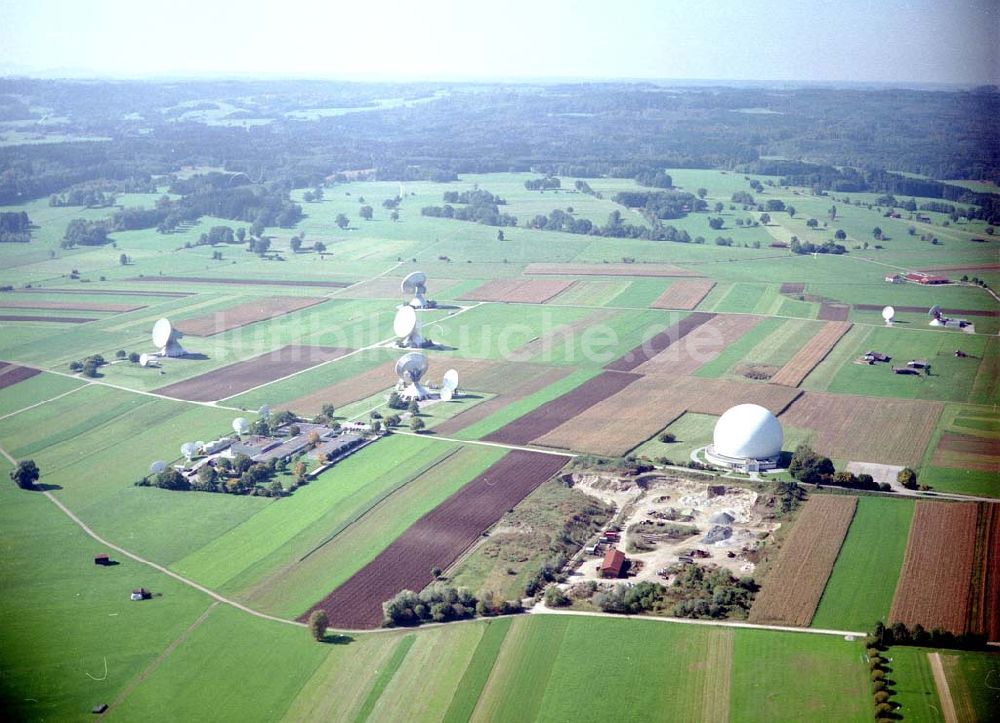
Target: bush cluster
(440, 603)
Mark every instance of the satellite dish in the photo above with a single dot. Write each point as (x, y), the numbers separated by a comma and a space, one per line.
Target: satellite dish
(144, 360)
(165, 338)
(934, 312)
(415, 285)
(450, 380)
(888, 313)
(157, 466)
(446, 394)
(410, 368)
(264, 411)
(407, 328)
(188, 449)
(241, 425)
(199, 444)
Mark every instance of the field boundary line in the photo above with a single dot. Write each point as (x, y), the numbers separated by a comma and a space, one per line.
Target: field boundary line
(489, 444)
(141, 676)
(944, 692)
(44, 401)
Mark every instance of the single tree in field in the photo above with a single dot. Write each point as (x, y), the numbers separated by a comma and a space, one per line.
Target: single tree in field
(134, 357)
(296, 244)
(123, 259)
(318, 623)
(241, 234)
(319, 247)
(413, 407)
(877, 233)
(791, 211)
(833, 213)
(718, 206)
(328, 410)
(702, 192)
(394, 215)
(765, 218)
(417, 424)
(25, 474)
(366, 213)
(500, 235)
(840, 234)
(342, 221)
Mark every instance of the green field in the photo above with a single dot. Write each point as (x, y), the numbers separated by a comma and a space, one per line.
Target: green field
(860, 589)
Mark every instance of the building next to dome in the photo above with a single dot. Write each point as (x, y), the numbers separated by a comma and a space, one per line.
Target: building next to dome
(747, 438)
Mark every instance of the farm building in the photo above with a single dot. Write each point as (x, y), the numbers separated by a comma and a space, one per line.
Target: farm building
(918, 364)
(876, 356)
(904, 370)
(102, 559)
(614, 563)
(337, 446)
(918, 277)
(746, 438)
(140, 593)
(893, 278)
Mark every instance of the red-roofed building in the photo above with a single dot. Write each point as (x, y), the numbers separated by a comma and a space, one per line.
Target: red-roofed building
(614, 563)
(922, 278)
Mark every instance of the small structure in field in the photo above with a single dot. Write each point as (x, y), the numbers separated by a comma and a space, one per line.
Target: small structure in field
(746, 438)
(140, 593)
(877, 356)
(102, 559)
(614, 563)
(918, 364)
(904, 370)
(893, 279)
(918, 277)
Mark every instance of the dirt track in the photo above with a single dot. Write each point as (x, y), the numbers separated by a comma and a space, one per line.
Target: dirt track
(436, 539)
(11, 374)
(236, 378)
(550, 415)
(247, 313)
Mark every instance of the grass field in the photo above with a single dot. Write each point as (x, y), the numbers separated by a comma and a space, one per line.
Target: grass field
(859, 590)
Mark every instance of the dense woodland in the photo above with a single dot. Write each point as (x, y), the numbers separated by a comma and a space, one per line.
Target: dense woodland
(845, 140)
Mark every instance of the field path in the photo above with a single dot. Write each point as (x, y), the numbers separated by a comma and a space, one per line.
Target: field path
(718, 676)
(944, 692)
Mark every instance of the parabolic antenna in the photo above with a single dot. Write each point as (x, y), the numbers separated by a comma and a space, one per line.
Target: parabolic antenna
(407, 328)
(888, 313)
(934, 312)
(144, 360)
(446, 394)
(450, 380)
(264, 411)
(188, 449)
(410, 368)
(241, 425)
(157, 466)
(165, 338)
(415, 285)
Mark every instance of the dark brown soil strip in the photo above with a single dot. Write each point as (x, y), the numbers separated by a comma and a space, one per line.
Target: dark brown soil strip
(792, 288)
(70, 306)
(833, 312)
(550, 415)
(924, 310)
(241, 376)
(11, 374)
(244, 282)
(654, 345)
(436, 540)
(54, 319)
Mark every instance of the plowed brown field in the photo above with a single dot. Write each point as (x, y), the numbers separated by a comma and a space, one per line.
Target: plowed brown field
(11, 374)
(966, 451)
(246, 313)
(792, 288)
(833, 312)
(864, 429)
(517, 291)
(700, 345)
(241, 376)
(985, 616)
(621, 422)
(683, 294)
(436, 539)
(608, 270)
(49, 319)
(794, 587)
(659, 342)
(935, 581)
(815, 350)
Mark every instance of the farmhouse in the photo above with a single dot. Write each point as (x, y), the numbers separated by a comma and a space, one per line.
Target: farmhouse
(747, 438)
(614, 563)
(337, 446)
(893, 278)
(918, 277)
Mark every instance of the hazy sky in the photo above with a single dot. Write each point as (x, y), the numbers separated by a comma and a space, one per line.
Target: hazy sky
(942, 41)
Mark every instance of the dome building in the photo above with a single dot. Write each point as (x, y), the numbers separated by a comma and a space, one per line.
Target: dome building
(747, 438)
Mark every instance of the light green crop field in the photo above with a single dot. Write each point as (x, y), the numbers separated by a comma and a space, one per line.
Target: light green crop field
(860, 588)
(914, 687)
(35, 390)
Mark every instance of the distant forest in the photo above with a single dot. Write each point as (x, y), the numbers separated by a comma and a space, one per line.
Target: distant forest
(279, 135)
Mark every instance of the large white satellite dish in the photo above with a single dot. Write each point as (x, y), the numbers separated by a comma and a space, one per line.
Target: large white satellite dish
(410, 368)
(888, 313)
(415, 286)
(165, 338)
(188, 449)
(157, 466)
(447, 393)
(241, 425)
(450, 380)
(407, 328)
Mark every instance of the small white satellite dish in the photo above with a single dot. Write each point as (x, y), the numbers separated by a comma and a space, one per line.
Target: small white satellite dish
(888, 313)
(450, 380)
(157, 466)
(188, 449)
(447, 393)
(410, 368)
(264, 411)
(241, 425)
(407, 328)
(415, 285)
(144, 360)
(165, 338)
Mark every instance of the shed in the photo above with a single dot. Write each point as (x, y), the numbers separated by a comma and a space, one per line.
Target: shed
(904, 370)
(918, 364)
(102, 559)
(877, 356)
(140, 594)
(614, 563)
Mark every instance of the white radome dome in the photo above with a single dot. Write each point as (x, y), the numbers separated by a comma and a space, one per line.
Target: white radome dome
(748, 431)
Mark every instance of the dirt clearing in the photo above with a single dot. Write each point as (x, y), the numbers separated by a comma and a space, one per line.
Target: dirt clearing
(794, 587)
(246, 313)
(935, 580)
(437, 539)
(241, 376)
(815, 350)
(517, 291)
(683, 294)
(550, 415)
(888, 431)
